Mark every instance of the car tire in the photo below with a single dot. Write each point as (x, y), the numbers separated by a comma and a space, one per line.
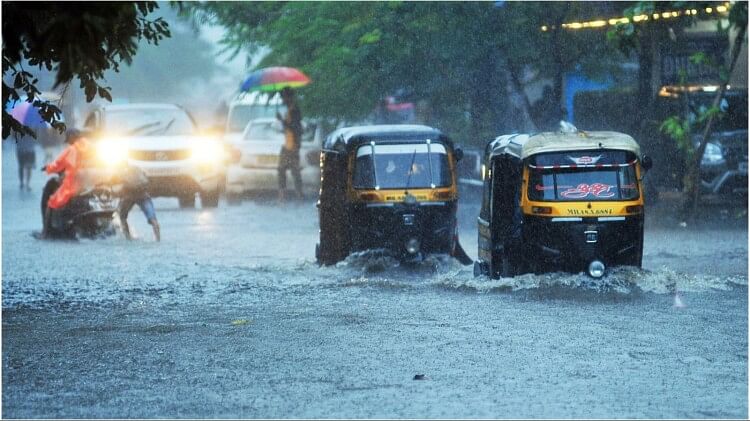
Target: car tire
(187, 201)
(210, 199)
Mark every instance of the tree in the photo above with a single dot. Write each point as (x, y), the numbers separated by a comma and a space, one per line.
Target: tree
(631, 37)
(73, 39)
(466, 60)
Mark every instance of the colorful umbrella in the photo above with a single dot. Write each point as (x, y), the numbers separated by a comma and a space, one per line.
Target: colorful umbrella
(272, 79)
(26, 113)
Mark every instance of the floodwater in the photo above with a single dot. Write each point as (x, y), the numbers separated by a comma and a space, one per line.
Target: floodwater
(230, 317)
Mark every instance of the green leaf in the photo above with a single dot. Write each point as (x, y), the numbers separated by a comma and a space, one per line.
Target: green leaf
(104, 93)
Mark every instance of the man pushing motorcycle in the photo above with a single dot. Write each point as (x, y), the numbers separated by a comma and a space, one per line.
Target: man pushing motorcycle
(70, 161)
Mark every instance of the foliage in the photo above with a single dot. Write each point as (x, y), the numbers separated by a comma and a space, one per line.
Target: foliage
(629, 37)
(454, 56)
(80, 40)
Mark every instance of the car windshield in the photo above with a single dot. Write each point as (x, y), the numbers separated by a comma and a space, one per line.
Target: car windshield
(240, 115)
(399, 166)
(265, 130)
(587, 176)
(149, 122)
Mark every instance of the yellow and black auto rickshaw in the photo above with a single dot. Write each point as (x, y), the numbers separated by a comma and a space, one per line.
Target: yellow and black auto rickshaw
(390, 187)
(566, 201)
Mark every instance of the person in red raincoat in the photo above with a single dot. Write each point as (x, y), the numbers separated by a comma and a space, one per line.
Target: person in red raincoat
(70, 160)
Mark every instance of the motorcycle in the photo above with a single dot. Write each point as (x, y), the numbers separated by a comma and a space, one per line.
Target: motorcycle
(90, 214)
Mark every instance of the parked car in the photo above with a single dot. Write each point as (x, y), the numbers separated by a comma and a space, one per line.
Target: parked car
(724, 163)
(248, 106)
(163, 140)
(259, 148)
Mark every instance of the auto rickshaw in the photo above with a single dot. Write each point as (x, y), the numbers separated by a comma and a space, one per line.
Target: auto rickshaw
(566, 201)
(389, 187)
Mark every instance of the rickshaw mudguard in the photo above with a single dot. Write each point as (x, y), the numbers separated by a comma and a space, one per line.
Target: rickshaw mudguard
(460, 254)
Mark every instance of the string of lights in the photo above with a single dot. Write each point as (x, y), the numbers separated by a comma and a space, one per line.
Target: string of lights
(722, 9)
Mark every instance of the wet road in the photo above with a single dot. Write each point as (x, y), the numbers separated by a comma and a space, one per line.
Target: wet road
(229, 316)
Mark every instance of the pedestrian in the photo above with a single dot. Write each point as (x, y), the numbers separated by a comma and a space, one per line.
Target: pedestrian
(289, 155)
(135, 192)
(26, 155)
(70, 161)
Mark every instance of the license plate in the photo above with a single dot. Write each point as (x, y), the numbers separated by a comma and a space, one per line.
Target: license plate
(742, 167)
(161, 172)
(268, 159)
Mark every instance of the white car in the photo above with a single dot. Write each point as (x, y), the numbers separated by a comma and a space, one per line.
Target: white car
(248, 106)
(163, 140)
(259, 146)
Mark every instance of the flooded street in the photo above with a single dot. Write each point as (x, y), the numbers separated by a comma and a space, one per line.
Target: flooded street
(230, 317)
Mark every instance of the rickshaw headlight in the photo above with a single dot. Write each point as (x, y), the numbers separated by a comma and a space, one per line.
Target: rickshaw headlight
(412, 246)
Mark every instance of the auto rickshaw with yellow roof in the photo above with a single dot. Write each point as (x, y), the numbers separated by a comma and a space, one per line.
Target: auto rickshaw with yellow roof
(390, 187)
(568, 200)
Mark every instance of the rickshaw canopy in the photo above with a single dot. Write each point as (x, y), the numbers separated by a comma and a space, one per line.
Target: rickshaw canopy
(348, 138)
(523, 146)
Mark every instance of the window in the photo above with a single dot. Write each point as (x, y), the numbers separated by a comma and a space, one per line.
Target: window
(615, 179)
(149, 122)
(400, 166)
(264, 130)
(240, 115)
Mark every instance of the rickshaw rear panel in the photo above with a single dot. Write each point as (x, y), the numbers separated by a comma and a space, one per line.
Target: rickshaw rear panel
(387, 187)
(586, 209)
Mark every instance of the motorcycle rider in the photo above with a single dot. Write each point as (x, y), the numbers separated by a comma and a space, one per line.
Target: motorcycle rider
(70, 161)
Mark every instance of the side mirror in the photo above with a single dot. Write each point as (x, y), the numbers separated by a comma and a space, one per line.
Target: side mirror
(646, 163)
(459, 153)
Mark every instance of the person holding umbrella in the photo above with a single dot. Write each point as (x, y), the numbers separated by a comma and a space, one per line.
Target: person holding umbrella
(283, 79)
(27, 114)
(289, 155)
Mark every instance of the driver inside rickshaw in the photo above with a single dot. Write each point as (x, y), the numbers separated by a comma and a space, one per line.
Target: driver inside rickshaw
(397, 166)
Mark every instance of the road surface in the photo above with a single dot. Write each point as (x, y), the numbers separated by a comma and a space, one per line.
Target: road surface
(229, 317)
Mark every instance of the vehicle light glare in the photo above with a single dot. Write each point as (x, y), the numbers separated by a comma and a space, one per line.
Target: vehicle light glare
(111, 152)
(207, 152)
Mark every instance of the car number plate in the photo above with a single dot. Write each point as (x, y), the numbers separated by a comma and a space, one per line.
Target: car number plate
(742, 167)
(268, 160)
(161, 172)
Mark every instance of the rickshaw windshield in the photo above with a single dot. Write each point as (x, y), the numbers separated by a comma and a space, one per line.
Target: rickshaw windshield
(398, 166)
(583, 176)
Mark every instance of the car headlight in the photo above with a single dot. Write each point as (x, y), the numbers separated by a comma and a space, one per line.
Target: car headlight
(712, 154)
(207, 152)
(111, 152)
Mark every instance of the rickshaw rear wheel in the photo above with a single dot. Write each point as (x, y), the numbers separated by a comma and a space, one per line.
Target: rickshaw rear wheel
(507, 268)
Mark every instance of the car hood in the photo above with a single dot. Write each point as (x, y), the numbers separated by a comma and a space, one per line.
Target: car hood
(161, 143)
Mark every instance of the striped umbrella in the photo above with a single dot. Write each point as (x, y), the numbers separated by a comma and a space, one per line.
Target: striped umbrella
(273, 79)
